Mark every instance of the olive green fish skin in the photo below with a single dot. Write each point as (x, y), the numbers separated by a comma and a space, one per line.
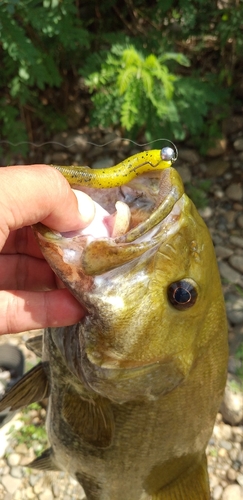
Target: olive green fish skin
(135, 387)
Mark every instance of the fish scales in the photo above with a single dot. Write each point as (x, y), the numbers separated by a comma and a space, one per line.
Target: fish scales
(134, 388)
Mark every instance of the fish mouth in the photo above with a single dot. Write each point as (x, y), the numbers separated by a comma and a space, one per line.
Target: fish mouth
(114, 238)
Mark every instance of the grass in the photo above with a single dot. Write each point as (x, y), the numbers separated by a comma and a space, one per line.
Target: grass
(32, 433)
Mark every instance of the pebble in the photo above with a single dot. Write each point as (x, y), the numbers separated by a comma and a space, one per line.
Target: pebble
(237, 241)
(59, 158)
(216, 168)
(230, 274)
(218, 148)
(17, 472)
(223, 252)
(236, 261)
(185, 174)
(206, 212)
(234, 308)
(233, 492)
(11, 484)
(46, 495)
(189, 155)
(238, 144)
(239, 479)
(234, 192)
(240, 221)
(13, 459)
(217, 492)
(232, 406)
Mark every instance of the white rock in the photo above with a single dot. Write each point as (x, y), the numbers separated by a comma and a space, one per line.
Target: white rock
(11, 484)
(238, 144)
(239, 479)
(13, 459)
(217, 492)
(232, 405)
(46, 495)
(233, 492)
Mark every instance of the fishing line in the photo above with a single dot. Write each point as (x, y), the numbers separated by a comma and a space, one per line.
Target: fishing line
(16, 144)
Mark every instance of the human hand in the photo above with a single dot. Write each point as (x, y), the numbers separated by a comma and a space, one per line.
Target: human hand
(30, 294)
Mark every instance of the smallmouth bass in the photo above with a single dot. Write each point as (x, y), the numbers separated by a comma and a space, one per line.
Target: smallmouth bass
(133, 388)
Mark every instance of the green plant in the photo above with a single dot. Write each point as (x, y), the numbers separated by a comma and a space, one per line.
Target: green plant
(39, 43)
(141, 91)
(33, 435)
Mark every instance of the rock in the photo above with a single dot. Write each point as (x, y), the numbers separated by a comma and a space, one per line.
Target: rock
(233, 492)
(236, 261)
(75, 113)
(230, 274)
(232, 404)
(238, 434)
(234, 365)
(234, 308)
(13, 459)
(233, 124)
(46, 495)
(29, 493)
(59, 158)
(206, 212)
(112, 140)
(234, 192)
(17, 472)
(217, 492)
(185, 173)
(237, 241)
(239, 479)
(59, 140)
(231, 474)
(240, 221)
(223, 252)
(104, 162)
(11, 484)
(218, 148)
(238, 144)
(225, 444)
(77, 143)
(216, 168)
(226, 433)
(189, 155)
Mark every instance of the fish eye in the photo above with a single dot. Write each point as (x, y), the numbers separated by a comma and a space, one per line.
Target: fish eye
(182, 294)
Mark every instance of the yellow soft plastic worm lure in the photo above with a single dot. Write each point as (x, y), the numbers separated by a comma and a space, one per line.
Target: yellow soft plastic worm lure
(122, 173)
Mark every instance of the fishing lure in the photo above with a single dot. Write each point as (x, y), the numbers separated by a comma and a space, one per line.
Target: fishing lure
(121, 173)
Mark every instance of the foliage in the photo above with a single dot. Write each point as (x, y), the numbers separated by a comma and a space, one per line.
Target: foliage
(163, 67)
(33, 435)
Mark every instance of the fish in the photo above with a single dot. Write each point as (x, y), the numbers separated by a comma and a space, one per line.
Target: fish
(134, 388)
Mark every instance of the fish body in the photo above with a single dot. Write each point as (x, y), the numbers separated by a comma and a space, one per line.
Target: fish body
(134, 388)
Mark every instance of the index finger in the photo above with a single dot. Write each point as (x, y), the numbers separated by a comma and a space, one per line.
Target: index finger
(35, 193)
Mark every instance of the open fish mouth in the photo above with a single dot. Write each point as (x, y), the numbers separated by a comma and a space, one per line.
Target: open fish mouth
(127, 223)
